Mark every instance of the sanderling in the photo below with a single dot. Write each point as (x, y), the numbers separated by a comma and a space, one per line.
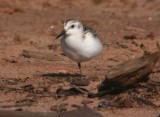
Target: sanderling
(79, 42)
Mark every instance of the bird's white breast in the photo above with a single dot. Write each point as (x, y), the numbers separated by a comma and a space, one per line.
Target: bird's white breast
(80, 48)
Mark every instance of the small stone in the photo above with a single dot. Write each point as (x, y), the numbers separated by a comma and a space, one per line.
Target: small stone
(52, 47)
(10, 60)
(85, 102)
(103, 104)
(59, 108)
(11, 81)
(19, 109)
(28, 87)
(80, 82)
(130, 37)
(93, 79)
(76, 106)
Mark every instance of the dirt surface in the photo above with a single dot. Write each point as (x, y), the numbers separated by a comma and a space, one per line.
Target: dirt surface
(127, 28)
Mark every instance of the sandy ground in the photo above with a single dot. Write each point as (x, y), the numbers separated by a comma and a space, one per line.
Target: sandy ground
(29, 84)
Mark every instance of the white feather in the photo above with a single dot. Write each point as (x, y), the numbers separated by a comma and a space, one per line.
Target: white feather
(80, 46)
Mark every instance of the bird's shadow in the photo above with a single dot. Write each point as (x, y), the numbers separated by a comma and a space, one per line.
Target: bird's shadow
(60, 75)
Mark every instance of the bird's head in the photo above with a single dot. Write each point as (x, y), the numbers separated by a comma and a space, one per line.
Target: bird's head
(72, 27)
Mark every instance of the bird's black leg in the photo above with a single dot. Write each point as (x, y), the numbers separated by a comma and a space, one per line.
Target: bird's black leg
(79, 65)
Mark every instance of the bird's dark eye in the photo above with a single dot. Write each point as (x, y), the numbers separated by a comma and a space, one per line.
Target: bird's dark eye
(72, 26)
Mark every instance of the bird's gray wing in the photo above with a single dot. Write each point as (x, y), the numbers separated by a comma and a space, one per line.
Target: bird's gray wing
(89, 29)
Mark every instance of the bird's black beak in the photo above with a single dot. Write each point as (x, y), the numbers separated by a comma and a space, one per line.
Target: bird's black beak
(61, 34)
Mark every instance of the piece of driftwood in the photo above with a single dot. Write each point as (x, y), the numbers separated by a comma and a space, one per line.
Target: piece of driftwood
(130, 72)
(40, 55)
(85, 112)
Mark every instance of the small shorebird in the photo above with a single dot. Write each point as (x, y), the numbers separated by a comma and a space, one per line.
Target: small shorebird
(79, 42)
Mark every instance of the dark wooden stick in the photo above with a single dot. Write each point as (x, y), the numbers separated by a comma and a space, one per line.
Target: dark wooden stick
(39, 55)
(130, 72)
(79, 89)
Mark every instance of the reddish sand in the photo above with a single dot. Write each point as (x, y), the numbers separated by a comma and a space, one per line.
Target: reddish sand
(25, 25)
